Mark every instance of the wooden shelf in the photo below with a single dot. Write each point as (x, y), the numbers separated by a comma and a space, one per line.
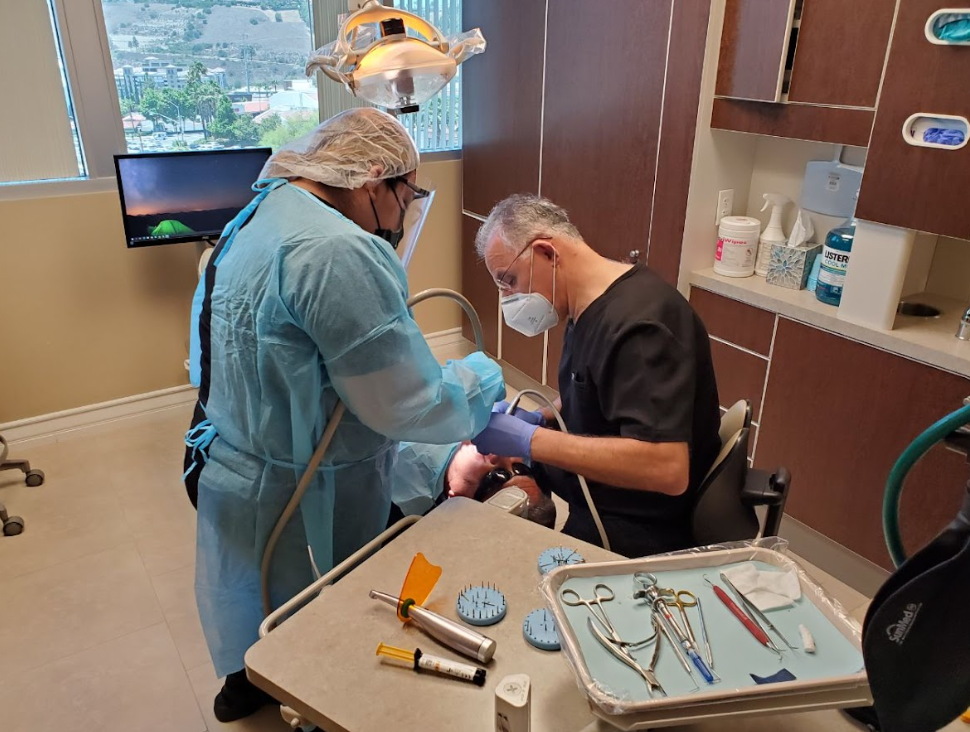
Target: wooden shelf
(840, 125)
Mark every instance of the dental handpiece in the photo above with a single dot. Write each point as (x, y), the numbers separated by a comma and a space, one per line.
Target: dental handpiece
(447, 632)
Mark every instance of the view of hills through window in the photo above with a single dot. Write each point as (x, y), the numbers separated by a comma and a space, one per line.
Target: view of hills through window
(210, 74)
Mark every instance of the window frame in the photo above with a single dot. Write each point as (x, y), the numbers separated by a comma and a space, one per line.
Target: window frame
(83, 40)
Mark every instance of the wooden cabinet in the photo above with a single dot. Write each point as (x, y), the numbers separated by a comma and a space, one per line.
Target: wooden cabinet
(601, 128)
(754, 48)
(736, 322)
(808, 70)
(906, 185)
(591, 84)
(840, 51)
(740, 345)
(502, 97)
(837, 414)
(740, 375)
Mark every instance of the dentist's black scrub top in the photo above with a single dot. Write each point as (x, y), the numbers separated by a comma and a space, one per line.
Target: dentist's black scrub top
(637, 364)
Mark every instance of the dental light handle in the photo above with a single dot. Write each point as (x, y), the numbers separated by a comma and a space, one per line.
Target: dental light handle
(562, 427)
(447, 632)
(327, 438)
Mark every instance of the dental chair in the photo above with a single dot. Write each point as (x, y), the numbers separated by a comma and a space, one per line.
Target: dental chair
(724, 509)
(13, 525)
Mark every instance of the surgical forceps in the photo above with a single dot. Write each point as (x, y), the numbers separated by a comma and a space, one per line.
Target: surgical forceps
(683, 644)
(623, 654)
(602, 593)
(692, 601)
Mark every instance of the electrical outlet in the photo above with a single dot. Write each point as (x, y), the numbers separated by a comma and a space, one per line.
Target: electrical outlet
(725, 205)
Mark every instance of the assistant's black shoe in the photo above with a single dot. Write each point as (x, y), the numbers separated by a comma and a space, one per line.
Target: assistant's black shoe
(239, 698)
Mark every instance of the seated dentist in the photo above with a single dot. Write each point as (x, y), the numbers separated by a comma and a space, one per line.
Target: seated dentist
(636, 382)
(304, 302)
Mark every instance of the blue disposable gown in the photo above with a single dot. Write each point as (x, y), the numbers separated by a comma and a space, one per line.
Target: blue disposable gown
(308, 308)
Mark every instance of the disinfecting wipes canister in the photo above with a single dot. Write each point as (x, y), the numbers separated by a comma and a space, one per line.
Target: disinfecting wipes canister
(737, 246)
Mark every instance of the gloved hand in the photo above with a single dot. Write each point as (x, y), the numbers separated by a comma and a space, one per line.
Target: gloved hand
(506, 436)
(465, 471)
(524, 414)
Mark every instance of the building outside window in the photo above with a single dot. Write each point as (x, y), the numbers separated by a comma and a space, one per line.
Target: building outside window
(210, 74)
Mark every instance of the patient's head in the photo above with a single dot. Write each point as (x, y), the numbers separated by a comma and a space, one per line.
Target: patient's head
(509, 473)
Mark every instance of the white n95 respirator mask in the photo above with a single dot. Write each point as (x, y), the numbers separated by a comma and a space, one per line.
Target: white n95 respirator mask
(529, 313)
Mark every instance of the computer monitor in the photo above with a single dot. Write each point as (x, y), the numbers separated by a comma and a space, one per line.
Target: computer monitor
(174, 197)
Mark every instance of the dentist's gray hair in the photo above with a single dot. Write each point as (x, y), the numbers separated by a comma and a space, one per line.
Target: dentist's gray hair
(523, 218)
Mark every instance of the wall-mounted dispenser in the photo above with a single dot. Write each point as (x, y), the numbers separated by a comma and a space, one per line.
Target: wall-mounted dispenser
(949, 27)
(943, 131)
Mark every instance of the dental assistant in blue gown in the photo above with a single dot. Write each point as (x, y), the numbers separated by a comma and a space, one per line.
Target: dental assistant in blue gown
(304, 303)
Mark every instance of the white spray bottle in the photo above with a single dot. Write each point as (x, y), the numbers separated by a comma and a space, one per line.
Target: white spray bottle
(773, 233)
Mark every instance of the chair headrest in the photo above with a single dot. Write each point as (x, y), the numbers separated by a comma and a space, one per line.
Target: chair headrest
(727, 444)
(733, 420)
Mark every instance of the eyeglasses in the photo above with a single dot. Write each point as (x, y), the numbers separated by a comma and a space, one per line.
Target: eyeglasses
(418, 191)
(500, 283)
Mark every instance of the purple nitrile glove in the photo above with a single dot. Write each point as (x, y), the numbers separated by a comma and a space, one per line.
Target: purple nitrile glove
(506, 436)
(524, 414)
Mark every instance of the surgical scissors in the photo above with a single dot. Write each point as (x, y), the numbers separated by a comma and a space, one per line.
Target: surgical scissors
(692, 601)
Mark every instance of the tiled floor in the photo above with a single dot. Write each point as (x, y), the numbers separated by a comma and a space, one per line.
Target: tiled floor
(98, 626)
(97, 616)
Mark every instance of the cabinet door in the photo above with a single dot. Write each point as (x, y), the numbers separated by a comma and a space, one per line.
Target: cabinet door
(840, 51)
(605, 65)
(754, 48)
(502, 97)
(837, 414)
(478, 287)
(906, 185)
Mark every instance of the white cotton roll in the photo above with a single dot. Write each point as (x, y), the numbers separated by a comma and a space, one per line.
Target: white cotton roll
(808, 642)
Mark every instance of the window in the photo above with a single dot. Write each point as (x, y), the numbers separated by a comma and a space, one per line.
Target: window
(162, 75)
(437, 126)
(210, 74)
(38, 128)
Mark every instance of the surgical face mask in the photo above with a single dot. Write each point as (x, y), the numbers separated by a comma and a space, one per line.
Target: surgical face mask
(530, 313)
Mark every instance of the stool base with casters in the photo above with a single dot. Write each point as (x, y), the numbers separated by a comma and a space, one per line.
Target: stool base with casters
(33, 478)
(13, 525)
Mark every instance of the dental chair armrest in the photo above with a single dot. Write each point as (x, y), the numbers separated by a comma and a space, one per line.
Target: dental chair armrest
(762, 488)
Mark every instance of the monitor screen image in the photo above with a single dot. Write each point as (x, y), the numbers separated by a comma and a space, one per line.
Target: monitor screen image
(184, 196)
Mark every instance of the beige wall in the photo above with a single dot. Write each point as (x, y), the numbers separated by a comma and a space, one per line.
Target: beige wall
(437, 260)
(779, 167)
(84, 320)
(950, 272)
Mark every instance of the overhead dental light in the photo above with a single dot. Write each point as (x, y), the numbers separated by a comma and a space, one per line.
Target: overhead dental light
(393, 58)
